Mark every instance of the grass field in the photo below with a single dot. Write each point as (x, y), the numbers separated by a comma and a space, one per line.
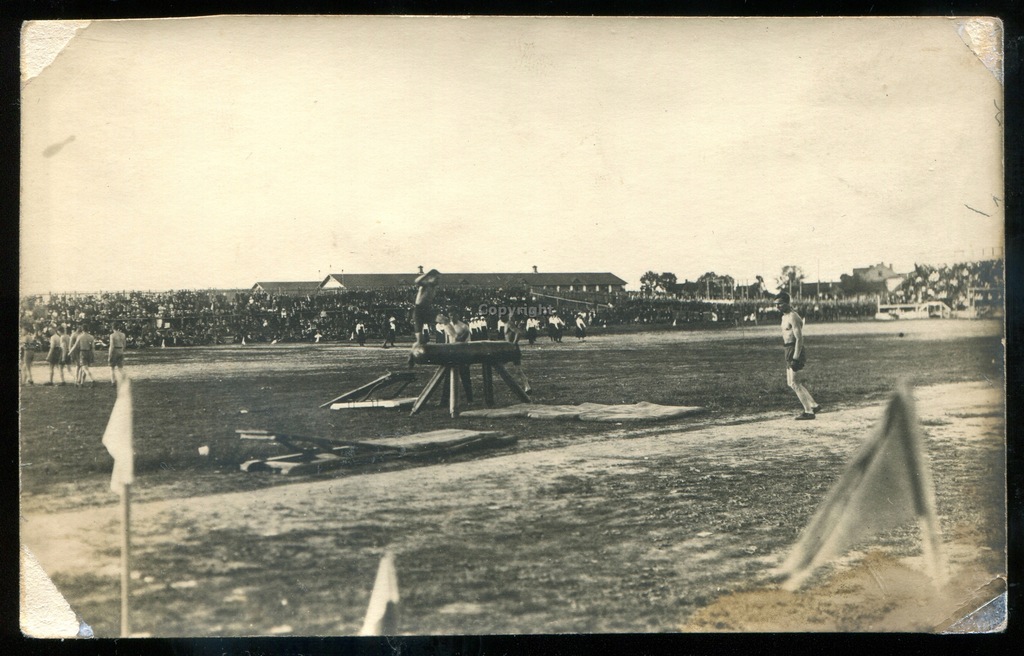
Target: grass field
(654, 535)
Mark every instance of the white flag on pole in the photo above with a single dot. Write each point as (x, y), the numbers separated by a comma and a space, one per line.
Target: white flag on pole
(382, 612)
(886, 484)
(118, 438)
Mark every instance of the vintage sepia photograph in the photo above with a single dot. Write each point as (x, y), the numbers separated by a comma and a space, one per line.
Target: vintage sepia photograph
(482, 325)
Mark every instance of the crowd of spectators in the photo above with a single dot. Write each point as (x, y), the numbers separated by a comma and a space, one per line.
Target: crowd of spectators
(202, 317)
(665, 311)
(960, 286)
(191, 317)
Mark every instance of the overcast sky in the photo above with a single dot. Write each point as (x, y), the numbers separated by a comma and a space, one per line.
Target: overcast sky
(216, 152)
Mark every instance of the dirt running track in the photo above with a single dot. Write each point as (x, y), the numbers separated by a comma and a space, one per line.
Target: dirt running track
(641, 530)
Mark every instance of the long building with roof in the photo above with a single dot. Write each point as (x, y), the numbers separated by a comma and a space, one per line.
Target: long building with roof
(552, 282)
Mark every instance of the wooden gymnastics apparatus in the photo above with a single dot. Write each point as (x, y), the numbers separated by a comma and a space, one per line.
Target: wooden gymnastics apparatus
(453, 363)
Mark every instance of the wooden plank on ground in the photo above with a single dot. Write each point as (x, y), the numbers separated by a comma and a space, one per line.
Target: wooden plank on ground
(321, 462)
(434, 439)
(255, 434)
(365, 390)
(418, 445)
(375, 403)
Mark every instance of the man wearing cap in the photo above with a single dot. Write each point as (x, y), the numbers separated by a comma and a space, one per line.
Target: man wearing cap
(796, 355)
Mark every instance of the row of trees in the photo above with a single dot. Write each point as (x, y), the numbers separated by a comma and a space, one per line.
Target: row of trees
(712, 285)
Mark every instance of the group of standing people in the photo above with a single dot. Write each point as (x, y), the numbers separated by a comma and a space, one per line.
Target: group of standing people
(75, 348)
(512, 329)
(555, 327)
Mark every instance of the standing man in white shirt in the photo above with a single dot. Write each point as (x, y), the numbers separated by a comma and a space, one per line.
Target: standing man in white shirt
(796, 355)
(581, 328)
(532, 328)
(390, 331)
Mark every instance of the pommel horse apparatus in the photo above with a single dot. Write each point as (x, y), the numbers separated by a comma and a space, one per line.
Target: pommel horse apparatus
(453, 361)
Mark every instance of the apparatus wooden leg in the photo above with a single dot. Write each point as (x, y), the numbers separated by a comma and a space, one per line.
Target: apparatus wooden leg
(512, 384)
(488, 385)
(432, 385)
(453, 391)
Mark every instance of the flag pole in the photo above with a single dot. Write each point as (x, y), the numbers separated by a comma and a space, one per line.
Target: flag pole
(125, 556)
(117, 438)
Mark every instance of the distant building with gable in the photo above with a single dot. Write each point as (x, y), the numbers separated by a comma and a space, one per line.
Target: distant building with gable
(286, 288)
(878, 275)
